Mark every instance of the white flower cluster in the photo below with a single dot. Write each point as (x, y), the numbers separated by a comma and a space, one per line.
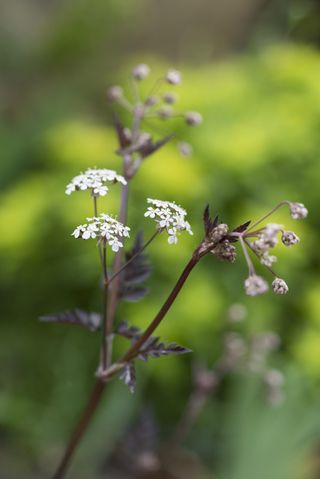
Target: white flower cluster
(168, 216)
(94, 179)
(104, 228)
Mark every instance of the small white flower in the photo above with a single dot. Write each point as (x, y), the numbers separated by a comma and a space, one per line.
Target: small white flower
(94, 179)
(169, 217)
(140, 72)
(173, 77)
(104, 228)
(289, 238)
(298, 211)
(279, 286)
(255, 285)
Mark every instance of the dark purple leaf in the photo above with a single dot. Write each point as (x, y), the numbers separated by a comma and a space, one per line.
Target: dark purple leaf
(128, 376)
(154, 349)
(149, 148)
(91, 321)
(133, 294)
(209, 224)
(137, 271)
(127, 331)
(120, 130)
(242, 228)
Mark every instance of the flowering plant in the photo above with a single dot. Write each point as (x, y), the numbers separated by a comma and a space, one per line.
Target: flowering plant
(124, 276)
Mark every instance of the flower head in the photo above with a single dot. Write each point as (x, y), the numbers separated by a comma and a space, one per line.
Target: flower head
(104, 228)
(95, 180)
(169, 217)
(298, 211)
(255, 285)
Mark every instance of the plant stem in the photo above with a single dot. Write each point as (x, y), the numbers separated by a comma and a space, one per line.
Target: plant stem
(279, 205)
(80, 429)
(96, 395)
(133, 351)
(246, 255)
(104, 344)
(114, 291)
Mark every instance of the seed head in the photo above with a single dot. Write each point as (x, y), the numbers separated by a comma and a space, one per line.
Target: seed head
(173, 77)
(289, 238)
(193, 118)
(255, 285)
(298, 211)
(279, 286)
(140, 72)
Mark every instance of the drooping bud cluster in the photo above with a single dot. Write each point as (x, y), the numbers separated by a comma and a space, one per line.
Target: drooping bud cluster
(169, 217)
(103, 228)
(94, 179)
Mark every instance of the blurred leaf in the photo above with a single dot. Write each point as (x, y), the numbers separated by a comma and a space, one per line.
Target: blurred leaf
(91, 321)
(137, 271)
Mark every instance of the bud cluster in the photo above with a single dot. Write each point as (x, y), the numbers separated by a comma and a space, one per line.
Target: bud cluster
(156, 103)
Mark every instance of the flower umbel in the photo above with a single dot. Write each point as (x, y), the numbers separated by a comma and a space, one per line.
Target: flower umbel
(94, 179)
(105, 229)
(169, 217)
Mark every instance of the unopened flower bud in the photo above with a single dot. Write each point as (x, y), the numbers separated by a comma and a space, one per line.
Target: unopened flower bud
(237, 312)
(114, 93)
(173, 77)
(151, 100)
(169, 97)
(274, 378)
(279, 286)
(164, 112)
(140, 72)
(218, 233)
(225, 251)
(298, 211)
(289, 238)
(193, 118)
(255, 285)
(185, 148)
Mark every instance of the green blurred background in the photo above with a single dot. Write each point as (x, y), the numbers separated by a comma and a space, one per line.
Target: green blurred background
(252, 68)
